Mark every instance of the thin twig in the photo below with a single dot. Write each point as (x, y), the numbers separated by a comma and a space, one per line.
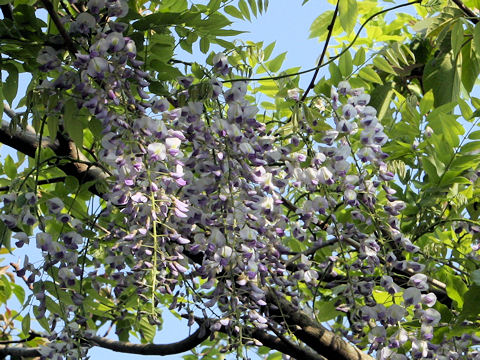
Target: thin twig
(311, 250)
(61, 29)
(8, 110)
(32, 335)
(324, 51)
(40, 182)
(16, 268)
(331, 59)
(470, 14)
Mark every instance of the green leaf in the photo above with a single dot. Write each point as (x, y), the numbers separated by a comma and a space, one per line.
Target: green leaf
(147, 330)
(275, 64)
(335, 73)
(174, 5)
(162, 45)
(10, 167)
(268, 51)
(426, 103)
(430, 166)
(275, 356)
(253, 6)
(359, 58)
(233, 11)
(320, 25)
(197, 70)
(443, 151)
(19, 292)
(160, 19)
(242, 5)
(439, 71)
(204, 44)
(42, 320)
(5, 289)
(5, 234)
(470, 67)
(214, 5)
(348, 14)
(456, 288)
(471, 306)
(52, 125)
(73, 124)
(214, 22)
(381, 98)
(345, 64)
(399, 51)
(476, 105)
(476, 39)
(61, 295)
(456, 38)
(260, 6)
(96, 127)
(327, 311)
(475, 135)
(1, 101)
(476, 276)
(10, 86)
(26, 325)
(446, 124)
(465, 109)
(382, 64)
(71, 184)
(367, 73)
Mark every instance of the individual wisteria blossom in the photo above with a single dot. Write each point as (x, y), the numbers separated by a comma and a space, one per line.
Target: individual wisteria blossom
(84, 24)
(97, 67)
(419, 281)
(158, 151)
(294, 94)
(220, 63)
(95, 6)
(429, 299)
(10, 221)
(412, 296)
(55, 205)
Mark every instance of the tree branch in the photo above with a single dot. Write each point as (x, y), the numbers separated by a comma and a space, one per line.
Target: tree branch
(17, 351)
(324, 51)
(323, 341)
(470, 14)
(199, 336)
(27, 142)
(31, 336)
(61, 29)
(285, 346)
(7, 11)
(39, 182)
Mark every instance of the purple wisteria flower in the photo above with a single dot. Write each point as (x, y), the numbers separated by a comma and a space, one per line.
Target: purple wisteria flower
(95, 6)
(97, 67)
(220, 63)
(55, 205)
(157, 151)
